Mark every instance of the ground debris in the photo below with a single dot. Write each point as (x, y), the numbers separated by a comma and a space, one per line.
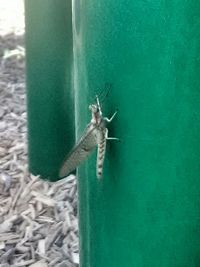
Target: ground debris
(46, 233)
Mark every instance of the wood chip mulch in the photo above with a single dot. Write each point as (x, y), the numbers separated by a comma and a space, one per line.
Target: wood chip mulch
(38, 219)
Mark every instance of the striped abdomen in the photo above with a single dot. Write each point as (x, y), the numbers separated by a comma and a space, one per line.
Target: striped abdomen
(101, 153)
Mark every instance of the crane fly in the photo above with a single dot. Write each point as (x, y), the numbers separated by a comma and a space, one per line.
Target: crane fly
(95, 134)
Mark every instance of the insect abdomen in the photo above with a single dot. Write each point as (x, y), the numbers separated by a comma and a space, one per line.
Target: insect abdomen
(101, 156)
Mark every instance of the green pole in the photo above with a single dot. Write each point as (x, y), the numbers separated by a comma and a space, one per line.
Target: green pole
(145, 210)
(49, 84)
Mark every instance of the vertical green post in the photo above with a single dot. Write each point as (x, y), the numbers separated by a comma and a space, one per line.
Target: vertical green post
(145, 210)
(49, 84)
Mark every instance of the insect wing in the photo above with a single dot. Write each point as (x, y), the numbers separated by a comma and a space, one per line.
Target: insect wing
(80, 152)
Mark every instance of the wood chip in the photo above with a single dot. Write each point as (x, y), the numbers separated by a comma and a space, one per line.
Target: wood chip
(39, 264)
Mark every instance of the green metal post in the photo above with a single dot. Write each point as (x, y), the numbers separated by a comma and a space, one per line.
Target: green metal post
(145, 210)
(49, 84)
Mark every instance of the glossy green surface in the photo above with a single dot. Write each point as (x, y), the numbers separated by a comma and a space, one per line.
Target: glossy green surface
(145, 210)
(49, 84)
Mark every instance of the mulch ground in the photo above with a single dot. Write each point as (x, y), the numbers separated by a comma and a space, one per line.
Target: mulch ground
(38, 219)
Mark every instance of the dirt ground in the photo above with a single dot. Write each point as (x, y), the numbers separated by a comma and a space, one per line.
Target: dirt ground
(38, 219)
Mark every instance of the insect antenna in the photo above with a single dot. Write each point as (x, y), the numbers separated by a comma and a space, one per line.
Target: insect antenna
(105, 92)
(101, 96)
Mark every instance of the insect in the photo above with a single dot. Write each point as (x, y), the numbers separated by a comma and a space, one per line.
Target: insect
(95, 134)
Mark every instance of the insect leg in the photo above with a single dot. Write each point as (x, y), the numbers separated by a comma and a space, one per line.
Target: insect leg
(112, 117)
(113, 138)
